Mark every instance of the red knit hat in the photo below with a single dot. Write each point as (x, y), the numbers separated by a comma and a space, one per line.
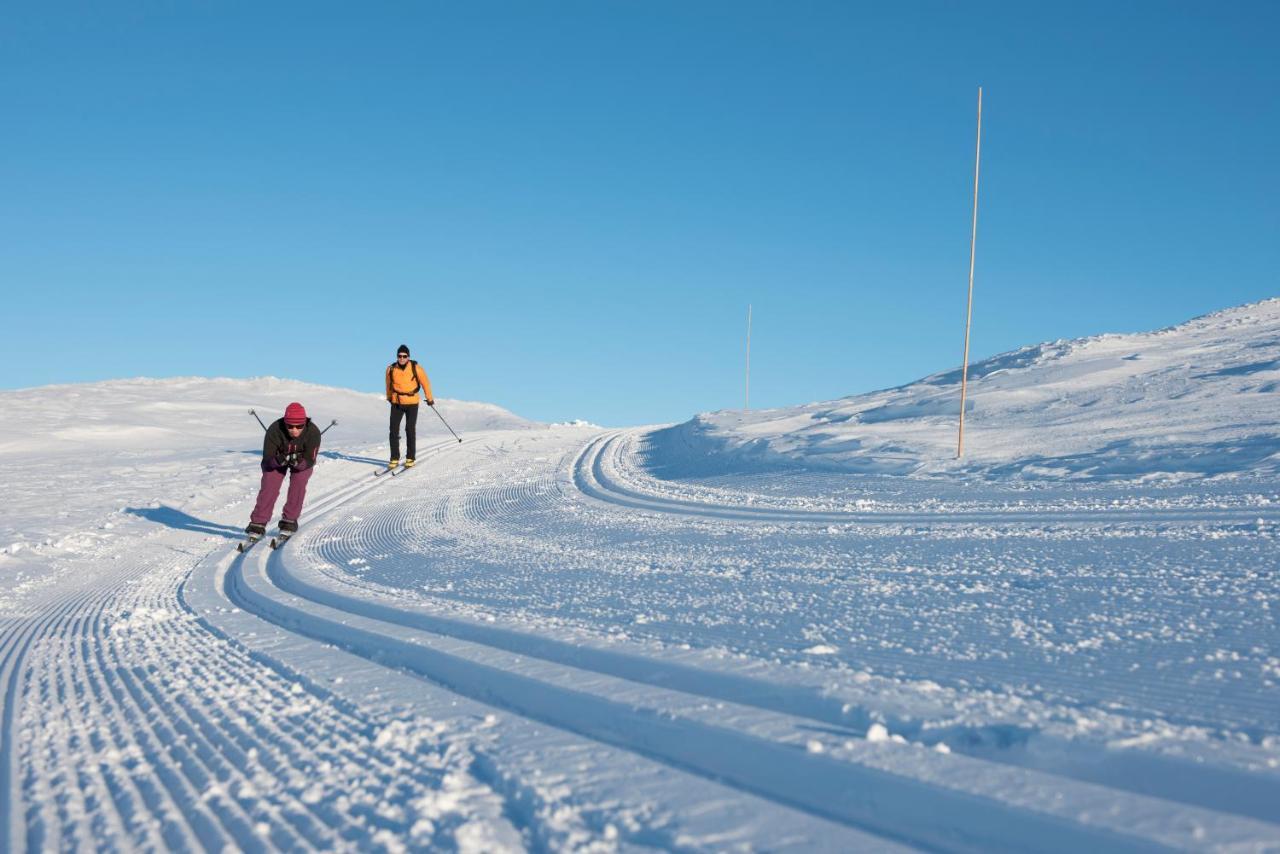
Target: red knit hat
(295, 414)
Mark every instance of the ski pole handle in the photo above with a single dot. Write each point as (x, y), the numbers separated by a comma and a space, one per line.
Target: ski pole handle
(446, 423)
(254, 413)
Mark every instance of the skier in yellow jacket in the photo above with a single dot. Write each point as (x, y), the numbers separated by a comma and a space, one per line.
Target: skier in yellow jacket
(405, 378)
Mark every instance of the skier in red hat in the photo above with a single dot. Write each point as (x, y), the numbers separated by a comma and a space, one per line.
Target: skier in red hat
(290, 447)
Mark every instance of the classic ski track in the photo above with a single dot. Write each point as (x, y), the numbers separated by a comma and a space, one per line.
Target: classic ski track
(493, 515)
(596, 473)
(498, 515)
(599, 474)
(46, 631)
(488, 515)
(184, 773)
(269, 591)
(71, 670)
(659, 837)
(70, 658)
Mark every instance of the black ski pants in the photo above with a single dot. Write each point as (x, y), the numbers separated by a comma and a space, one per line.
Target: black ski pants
(409, 412)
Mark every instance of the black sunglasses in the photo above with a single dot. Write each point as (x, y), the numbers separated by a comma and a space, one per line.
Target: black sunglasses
(295, 426)
(402, 355)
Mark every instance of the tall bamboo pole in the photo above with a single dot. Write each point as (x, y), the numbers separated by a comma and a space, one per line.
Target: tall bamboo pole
(747, 405)
(968, 319)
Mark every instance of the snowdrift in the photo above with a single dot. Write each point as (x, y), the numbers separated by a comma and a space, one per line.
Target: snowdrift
(1200, 399)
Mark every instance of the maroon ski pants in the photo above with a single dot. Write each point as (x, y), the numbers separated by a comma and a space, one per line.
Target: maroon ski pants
(272, 478)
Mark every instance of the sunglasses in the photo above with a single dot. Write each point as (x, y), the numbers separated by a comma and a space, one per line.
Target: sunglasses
(402, 356)
(294, 426)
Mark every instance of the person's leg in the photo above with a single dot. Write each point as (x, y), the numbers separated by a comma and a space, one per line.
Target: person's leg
(397, 412)
(411, 430)
(268, 492)
(293, 502)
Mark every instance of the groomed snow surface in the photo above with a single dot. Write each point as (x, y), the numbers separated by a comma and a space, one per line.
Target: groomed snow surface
(804, 629)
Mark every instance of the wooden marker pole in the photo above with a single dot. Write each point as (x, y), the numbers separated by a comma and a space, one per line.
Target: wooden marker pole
(968, 320)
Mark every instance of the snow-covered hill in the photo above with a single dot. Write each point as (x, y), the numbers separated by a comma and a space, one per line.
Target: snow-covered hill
(1198, 399)
(198, 411)
(546, 638)
(72, 455)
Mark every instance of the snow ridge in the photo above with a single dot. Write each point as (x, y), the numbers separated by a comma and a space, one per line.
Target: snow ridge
(1197, 400)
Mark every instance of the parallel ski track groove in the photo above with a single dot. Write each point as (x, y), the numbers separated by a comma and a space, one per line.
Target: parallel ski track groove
(486, 510)
(136, 697)
(493, 502)
(108, 821)
(641, 733)
(291, 747)
(116, 701)
(169, 771)
(213, 825)
(310, 745)
(204, 766)
(50, 628)
(19, 638)
(157, 801)
(1144, 700)
(281, 749)
(228, 758)
(596, 474)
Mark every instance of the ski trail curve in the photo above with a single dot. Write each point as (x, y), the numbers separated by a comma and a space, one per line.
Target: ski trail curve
(610, 699)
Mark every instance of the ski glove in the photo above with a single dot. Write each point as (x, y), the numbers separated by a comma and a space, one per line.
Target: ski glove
(430, 402)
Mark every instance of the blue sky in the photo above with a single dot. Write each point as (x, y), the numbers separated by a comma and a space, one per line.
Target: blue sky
(565, 208)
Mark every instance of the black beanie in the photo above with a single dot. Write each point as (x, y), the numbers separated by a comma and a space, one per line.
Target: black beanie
(404, 348)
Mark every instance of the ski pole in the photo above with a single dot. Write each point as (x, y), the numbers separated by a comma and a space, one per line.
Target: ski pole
(446, 423)
(254, 413)
(331, 423)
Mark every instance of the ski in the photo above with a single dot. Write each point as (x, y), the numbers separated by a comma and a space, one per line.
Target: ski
(402, 470)
(279, 540)
(246, 544)
(380, 472)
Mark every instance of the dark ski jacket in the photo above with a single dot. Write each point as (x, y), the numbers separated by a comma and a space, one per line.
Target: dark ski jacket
(278, 450)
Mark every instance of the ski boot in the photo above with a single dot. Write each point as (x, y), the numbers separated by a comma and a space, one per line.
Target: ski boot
(253, 533)
(287, 529)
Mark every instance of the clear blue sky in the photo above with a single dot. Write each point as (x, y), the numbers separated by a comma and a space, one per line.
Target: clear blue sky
(565, 208)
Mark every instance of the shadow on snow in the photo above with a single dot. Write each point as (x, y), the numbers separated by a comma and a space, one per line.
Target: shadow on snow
(171, 518)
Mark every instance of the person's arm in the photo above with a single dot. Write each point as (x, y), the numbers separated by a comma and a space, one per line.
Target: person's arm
(426, 386)
(271, 446)
(389, 398)
(312, 451)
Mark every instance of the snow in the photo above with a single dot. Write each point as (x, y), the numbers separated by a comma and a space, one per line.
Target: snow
(798, 629)
(1198, 400)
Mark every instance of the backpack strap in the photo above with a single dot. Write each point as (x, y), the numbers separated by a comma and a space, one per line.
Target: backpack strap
(417, 385)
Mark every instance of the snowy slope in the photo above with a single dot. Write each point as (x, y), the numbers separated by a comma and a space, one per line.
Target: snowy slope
(1194, 400)
(75, 459)
(565, 638)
